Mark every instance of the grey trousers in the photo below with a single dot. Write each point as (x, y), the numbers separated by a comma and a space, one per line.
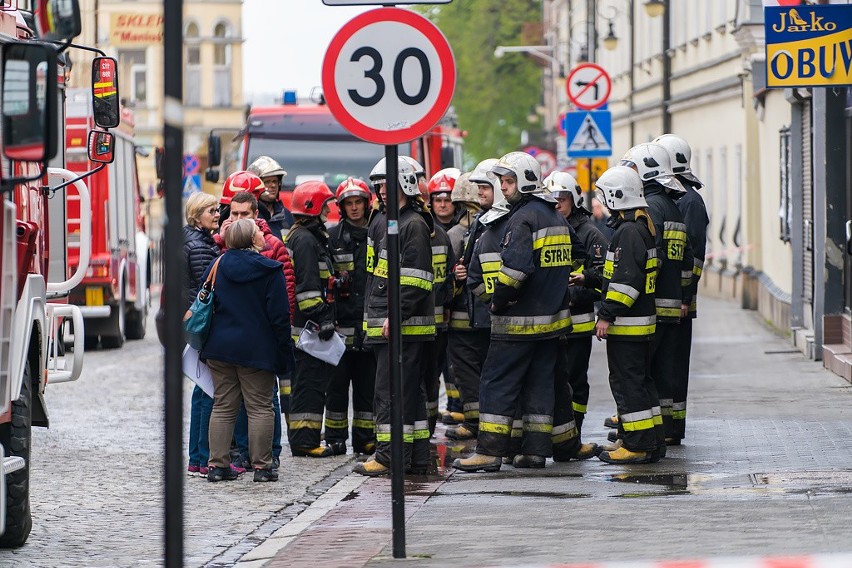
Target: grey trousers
(232, 384)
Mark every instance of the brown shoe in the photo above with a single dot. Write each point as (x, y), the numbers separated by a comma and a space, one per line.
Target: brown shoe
(371, 468)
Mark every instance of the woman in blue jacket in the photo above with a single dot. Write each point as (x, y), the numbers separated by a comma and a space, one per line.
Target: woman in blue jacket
(249, 344)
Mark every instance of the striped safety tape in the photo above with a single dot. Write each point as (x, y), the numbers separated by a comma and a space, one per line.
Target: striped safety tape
(840, 560)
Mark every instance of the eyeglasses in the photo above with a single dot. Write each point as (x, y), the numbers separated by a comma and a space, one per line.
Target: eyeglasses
(213, 210)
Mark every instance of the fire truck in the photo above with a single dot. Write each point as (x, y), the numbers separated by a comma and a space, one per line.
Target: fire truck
(310, 144)
(34, 276)
(114, 294)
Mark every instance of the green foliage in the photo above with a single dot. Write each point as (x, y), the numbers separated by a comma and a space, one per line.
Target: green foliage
(493, 95)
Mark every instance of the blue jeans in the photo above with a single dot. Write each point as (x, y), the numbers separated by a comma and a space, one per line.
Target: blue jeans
(241, 429)
(199, 421)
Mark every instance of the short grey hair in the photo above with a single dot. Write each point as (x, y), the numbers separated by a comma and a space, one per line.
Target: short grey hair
(240, 234)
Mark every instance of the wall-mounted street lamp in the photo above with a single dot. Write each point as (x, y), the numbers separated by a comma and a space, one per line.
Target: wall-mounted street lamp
(655, 8)
(539, 51)
(610, 42)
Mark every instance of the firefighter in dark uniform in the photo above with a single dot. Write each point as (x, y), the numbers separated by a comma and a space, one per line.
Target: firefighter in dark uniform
(674, 278)
(529, 310)
(307, 242)
(357, 367)
(418, 330)
(694, 212)
(577, 345)
(470, 320)
(627, 317)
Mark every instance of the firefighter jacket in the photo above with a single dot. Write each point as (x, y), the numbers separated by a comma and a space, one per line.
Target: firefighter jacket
(376, 229)
(629, 277)
(530, 299)
(674, 279)
(583, 298)
(307, 242)
(482, 270)
(442, 283)
(348, 244)
(416, 298)
(463, 304)
(694, 213)
(280, 220)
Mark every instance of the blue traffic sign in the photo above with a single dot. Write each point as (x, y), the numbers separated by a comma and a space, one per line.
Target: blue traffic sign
(589, 134)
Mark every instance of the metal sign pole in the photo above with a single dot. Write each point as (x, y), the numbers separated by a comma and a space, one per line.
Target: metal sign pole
(174, 267)
(395, 354)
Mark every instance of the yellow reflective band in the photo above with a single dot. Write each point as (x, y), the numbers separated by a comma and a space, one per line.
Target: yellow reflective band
(668, 312)
(525, 325)
(646, 424)
(383, 437)
(408, 438)
(459, 324)
(286, 390)
(413, 281)
(371, 259)
(309, 424)
(471, 414)
(329, 423)
(422, 434)
(551, 240)
(490, 427)
(555, 255)
(696, 271)
(493, 266)
(439, 267)
(583, 327)
(406, 330)
(362, 423)
(679, 414)
(609, 267)
(309, 303)
(564, 436)
(324, 274)
(651, 283)
(579, 407)
(490, 281)
(381, 270)
(632, 330)
(658, 420)
(619, 297)
(674, 235)
(340, 266)
(651, 263)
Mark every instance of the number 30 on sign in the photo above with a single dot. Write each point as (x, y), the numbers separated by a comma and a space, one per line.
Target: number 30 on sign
(388, 75)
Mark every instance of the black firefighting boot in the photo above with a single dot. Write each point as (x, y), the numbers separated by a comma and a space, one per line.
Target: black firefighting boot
(529, 461)
(612, 436)
(460, 432)
(451, 418)
(611, 421)
(478, 462)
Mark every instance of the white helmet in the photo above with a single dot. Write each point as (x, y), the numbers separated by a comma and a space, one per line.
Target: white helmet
(406, 176)
(563, 184)
(680, 154)
(653, 163)
(482, 174)
(418, 169)
(525, 168)
(265, 166)
(622, 189)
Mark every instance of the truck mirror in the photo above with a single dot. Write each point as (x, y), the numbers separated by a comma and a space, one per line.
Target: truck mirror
(29, 95)
(57, 20)
(105, 92)
(211, 175)
(159, 151)
(101, 147)
(214, 150)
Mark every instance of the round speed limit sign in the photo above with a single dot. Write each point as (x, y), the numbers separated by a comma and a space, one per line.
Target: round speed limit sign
(388, 76)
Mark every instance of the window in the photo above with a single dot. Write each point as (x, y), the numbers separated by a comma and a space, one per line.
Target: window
(221, 65)
(192, 75)
(133, 71)
(785, 210)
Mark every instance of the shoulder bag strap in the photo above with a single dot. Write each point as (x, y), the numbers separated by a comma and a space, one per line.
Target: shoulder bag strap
(211, 278)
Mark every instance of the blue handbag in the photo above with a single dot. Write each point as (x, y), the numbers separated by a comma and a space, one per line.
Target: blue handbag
(199, 316)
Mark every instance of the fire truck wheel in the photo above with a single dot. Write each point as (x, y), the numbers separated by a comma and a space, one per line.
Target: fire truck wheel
(117, 320)
(16, 437)
(136, 323)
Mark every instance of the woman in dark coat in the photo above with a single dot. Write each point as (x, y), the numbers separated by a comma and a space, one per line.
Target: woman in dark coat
(199, 250)
(249, 344)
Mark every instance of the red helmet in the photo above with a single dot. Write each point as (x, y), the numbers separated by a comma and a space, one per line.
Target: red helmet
(309, 198)
(241, 181)
(353, 187)
(443, 181)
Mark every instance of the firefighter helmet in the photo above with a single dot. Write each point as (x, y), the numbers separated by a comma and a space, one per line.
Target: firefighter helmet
(680, 154)
(407, 177)
(309, 197)
(241, 181)
(443, 181)
(482, 174)
(465, 191)
(622, 188)
(563, 184)
(525, 169)
(418, 169)
(379, 172)
(652, 162)
(265, 166)
(353, 187)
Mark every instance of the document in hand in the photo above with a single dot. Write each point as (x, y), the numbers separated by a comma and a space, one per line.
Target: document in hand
(329, 351)
(197, 371)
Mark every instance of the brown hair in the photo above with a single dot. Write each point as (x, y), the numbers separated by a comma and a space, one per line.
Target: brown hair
(240, 234)
(196, 205)
(245, 197)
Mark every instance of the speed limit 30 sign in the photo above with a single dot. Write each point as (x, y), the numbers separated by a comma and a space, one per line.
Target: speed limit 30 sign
(388, 75)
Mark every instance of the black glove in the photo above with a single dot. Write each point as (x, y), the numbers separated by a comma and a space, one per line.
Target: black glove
(326, 330)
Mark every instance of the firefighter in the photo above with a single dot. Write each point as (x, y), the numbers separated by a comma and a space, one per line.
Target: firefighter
(674, 280)
(529, 308)
(307, 242)
(278, 217)
(357, 367)
(418, 328)
(695, 217)
(627, 317)
(470, 321)
(577, 345)
(440, 188)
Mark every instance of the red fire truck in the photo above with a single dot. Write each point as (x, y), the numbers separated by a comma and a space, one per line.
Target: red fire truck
(34, 276)
(113, 295)
(310, 144)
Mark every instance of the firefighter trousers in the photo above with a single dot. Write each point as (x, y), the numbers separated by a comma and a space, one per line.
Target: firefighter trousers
(681, 378)
(634, 393)
(578, 350)
(415, 426)
(311, 379)
(357, 368)
(432, 370)
(517, 373)
(566, 434)
(663, 364)
(467, 352)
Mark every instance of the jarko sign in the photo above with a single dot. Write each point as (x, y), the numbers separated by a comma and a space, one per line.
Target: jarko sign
(809, 46)
(129, 29)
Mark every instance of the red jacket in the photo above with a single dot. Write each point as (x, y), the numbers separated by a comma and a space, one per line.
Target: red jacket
(274, 250)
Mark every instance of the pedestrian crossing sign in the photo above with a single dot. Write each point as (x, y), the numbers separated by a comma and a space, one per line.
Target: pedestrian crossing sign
(589, 134)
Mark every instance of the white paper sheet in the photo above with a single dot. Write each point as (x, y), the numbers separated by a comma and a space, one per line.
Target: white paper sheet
(197, 371)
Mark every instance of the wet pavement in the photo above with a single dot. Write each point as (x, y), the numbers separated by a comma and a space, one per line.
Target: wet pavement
(766, 469)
